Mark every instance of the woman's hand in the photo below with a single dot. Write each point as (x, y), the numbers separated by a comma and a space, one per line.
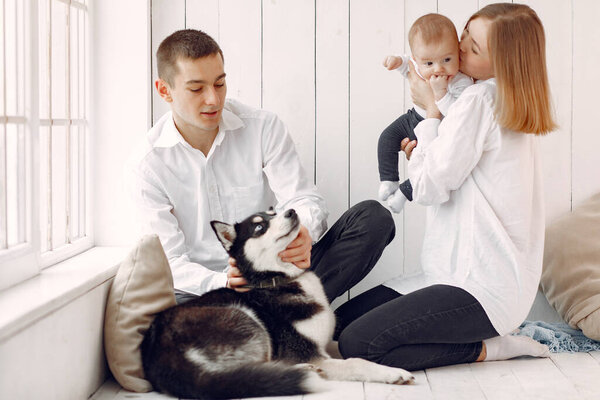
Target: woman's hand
(407, 147)
(422, 94)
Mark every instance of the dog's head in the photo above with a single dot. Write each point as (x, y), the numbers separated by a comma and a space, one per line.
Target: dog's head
(256, 242)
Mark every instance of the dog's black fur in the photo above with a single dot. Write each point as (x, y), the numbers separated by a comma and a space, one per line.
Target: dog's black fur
(230, 344)
(209, 322)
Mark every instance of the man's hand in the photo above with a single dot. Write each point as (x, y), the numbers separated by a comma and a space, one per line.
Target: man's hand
(298, 251)
(234, 277)
(439, 85)
(392, 62)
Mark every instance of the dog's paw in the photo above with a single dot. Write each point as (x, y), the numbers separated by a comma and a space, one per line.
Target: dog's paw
(310, 367)
(400, 376)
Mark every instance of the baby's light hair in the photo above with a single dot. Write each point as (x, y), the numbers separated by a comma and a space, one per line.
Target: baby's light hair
(431, 28)
(517, 46)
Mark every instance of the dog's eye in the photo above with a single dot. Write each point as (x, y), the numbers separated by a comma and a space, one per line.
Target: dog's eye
(258, 228)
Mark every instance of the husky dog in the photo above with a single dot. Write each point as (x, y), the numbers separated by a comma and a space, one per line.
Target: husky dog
(268, 341)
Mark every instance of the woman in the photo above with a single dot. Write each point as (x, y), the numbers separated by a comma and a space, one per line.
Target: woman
(479, 172)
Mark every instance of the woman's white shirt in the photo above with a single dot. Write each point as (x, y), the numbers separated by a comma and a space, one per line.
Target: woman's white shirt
(177, 190)
(485, 220)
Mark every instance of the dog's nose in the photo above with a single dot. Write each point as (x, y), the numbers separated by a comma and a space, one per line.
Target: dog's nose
(289, 213)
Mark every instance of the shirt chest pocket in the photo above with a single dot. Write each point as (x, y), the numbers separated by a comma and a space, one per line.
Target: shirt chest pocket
(247, 200)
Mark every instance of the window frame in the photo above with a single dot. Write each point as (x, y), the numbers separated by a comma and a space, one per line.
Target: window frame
(27, 258)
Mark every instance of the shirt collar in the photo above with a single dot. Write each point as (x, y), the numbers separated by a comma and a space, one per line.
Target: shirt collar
(170, 136)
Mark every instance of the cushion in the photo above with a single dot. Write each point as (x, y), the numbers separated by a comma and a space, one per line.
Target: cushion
(571, 273)
(143, 286)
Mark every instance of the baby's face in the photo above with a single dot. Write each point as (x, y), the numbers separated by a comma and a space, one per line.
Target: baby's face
(438, 58)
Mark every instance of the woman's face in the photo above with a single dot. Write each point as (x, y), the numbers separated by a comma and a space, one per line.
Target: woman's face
(474, 52)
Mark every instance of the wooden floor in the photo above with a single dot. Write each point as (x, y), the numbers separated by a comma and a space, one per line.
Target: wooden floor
(563, 376)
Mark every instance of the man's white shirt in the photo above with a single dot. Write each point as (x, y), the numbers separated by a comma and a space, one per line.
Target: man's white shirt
(177, 190)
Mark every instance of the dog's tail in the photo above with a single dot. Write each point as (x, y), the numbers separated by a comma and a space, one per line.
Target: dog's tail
(252, 380)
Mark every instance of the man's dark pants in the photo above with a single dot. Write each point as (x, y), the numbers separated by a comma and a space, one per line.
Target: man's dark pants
(348, 251)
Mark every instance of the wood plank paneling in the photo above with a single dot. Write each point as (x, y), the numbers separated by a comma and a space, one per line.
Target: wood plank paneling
(240, 34)
(458, 11)
(585, 157)
(332, 107)
(289, 71)
(412, 221)
(555, 147)
(376, 99)
(582, 370)
(203, 15)
(167, 16)
(317, 64)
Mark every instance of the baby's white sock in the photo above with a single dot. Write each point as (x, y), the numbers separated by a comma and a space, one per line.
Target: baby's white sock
(386, 189)
(506, 347)
(396, 201)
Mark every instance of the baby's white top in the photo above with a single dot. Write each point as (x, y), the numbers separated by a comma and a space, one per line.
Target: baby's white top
(456, 86)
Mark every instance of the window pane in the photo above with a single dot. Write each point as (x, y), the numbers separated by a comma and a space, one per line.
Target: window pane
(74, 61)
(44, 68)
(44, 189)
(3, 186)
(83, 63)
(10, 19)
(21, 69)
(2, 65)
(12, 172)
(74, 176)
(59, 186)
(58, 59)
(83, 139)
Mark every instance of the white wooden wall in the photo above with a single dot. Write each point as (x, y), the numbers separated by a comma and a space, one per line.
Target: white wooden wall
(317, 64)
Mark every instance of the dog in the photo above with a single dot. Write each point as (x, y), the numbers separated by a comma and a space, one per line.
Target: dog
(268, 341)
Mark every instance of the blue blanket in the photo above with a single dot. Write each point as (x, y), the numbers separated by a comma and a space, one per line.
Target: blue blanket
(559, 337)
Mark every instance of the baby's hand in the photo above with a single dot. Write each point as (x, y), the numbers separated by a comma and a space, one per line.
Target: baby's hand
(439, 85)
(392, 62)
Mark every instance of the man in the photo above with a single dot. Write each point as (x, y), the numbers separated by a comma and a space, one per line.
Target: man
(215, 159)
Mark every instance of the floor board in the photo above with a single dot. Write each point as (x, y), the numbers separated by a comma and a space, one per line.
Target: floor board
(563, 376)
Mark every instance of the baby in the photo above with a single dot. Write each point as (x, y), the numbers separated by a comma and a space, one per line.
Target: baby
(434, 45)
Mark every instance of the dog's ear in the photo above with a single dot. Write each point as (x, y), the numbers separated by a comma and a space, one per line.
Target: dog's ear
(225, 233)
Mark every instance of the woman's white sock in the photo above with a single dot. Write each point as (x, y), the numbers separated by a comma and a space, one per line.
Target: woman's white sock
(506, 347)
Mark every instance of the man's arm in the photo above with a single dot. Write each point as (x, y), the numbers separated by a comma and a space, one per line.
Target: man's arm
(154, 215)
(293, 189)
(288, 179)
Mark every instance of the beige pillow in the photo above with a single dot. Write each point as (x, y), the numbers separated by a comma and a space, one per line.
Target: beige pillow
(142, 287)
(571, 274)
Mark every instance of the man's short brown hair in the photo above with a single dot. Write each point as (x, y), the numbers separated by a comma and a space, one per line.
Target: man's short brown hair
(186, 43)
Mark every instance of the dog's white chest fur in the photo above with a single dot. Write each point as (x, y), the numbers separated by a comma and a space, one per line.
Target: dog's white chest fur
(320, 326)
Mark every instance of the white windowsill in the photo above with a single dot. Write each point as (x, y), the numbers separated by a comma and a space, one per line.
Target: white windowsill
(31, 300)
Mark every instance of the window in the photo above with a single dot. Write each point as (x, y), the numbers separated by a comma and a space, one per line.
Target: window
(44, 135)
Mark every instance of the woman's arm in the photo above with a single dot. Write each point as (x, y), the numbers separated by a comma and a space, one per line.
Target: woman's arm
(449, 150)
(422, 94)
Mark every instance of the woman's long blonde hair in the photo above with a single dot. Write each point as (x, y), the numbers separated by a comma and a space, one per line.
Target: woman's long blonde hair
(517, 47)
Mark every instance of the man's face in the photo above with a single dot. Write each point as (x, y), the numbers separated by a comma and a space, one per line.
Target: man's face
(198, 94)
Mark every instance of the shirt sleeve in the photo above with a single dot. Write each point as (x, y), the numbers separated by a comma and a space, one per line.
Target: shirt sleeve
(458, 84)
(448, 150)
(404, 69)
(288, 179)
(154, 216)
